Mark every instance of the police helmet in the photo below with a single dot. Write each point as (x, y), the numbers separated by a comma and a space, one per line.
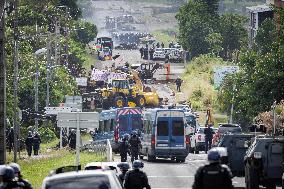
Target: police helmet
(123, 166)
(16, 167)
(2, 169)
(213, 155)
(137, 164)
(134, 133)
(126, 137)
(8, 174)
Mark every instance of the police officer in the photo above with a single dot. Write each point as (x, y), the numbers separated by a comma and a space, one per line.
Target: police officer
(72, 139)
(124, 148)
(208, 131)
(178, 83)
(29, 143)
(135, 143)
(124, 167)
(18, 176)
(213, 175)
(9, 181)
(36, 143)
(136, 179)
(10, 139)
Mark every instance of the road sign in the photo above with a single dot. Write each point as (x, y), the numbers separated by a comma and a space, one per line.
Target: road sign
(86, 119)
(221, 72)
(82, 81)
(56, 110)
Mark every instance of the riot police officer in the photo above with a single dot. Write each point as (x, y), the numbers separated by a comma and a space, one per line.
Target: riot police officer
(9, 181)
(18, 176)
(135, 143)
(72, 139)
(213, 175)
(29, 143)
(136, 179)
(124, 167)
(208, 131)
(124, 148)
(36, 143)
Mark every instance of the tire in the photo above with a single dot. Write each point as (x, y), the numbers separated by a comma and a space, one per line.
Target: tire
(191, 150)
(151, 158)
(119, 102)
(271, 185)
(251, 178)
(140, 101)
(196, 151)
(141, 157)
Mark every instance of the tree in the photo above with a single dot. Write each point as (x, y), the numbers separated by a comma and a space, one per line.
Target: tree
(196, 22)
(215, 41)
(260, 81)
(234, 33)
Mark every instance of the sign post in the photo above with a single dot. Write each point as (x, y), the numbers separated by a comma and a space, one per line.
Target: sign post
(77, 120)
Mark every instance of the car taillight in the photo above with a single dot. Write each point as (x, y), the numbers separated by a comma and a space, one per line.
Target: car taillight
(199, 137)
(153, 141)
(187, 139)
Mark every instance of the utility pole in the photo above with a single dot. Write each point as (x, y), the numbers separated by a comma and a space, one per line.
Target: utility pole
(232, 105)
(36, 94)
(16, 60)
(2, 86)
(48, 68)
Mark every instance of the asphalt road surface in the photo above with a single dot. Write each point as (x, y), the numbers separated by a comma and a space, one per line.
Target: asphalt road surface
(167, 174)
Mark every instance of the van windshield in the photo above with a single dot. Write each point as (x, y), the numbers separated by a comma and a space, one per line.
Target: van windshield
(178, 128)
(162, 128)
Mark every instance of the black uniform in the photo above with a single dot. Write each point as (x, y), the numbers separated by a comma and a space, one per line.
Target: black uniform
(122, 177)
(72, 140)
(124, 147)
(208, 131)
(36, 143)
(212, 176)
(136, 179)
(142, 52)
(29, 144)
(178, 84)
(135, 143)
(27, 185)
(12, 185)
(10, 139)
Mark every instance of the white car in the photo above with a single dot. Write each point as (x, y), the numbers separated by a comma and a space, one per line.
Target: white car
(197, 140)
(82, 179)
(159, 55)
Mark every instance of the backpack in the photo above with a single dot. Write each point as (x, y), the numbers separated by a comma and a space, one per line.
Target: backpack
(214, 177)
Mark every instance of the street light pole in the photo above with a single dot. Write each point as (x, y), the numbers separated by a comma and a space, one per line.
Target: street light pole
(36, 94)
(274, 117)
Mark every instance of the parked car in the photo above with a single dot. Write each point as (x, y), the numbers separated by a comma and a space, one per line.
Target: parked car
(159, 55)
(83, 180)
(197, 141)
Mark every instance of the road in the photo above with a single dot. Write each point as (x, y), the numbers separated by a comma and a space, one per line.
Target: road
(167, 174)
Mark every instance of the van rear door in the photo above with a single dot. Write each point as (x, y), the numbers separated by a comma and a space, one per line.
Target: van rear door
(162, 133)
(177, 133)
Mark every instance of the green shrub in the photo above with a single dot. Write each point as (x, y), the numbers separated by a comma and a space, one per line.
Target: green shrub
(46, 134)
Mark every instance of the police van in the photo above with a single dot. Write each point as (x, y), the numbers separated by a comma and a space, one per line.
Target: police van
(164, 135)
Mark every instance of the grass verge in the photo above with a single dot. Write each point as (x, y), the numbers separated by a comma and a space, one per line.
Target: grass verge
(36, 169)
